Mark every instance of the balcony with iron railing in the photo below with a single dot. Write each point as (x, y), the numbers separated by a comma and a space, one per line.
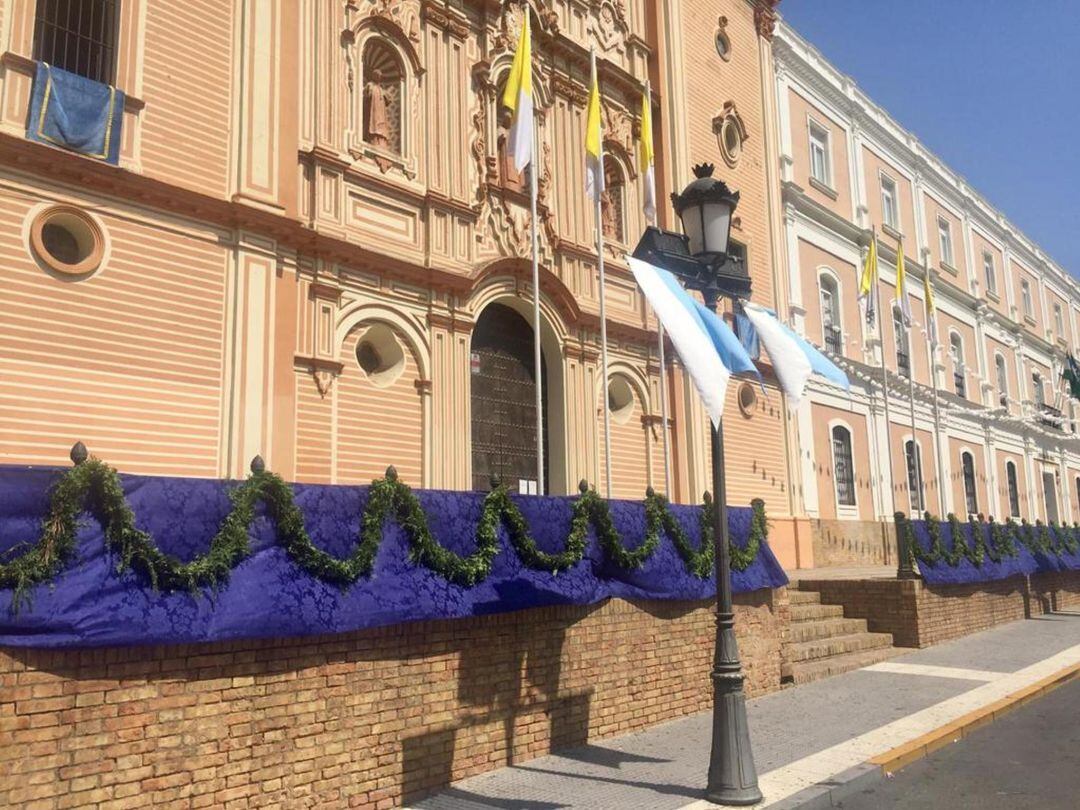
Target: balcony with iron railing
(1049, 416)
(959, 383)
(903, 363)
(834, 341)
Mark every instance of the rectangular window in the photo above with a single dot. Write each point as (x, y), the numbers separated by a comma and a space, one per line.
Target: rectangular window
(78, 36)
(1025, 296)
(945, 240)
(890, 213)
(820, 162)
(1059, 323)
(989, 272)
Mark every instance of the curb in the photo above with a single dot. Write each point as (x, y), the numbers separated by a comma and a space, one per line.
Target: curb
(830, 793)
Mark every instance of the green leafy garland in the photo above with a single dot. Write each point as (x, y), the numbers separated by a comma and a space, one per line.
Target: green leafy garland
(94, 486)
(972, 545)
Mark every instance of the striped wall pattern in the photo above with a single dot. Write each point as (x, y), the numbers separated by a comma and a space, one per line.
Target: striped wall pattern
(187, 83)
(128, 361)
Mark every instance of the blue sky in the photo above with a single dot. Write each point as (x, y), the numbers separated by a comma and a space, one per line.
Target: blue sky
(991, 87)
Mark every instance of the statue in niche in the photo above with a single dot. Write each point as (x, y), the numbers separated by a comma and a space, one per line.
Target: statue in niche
(377, 120)
(509, 176)
(607, 215)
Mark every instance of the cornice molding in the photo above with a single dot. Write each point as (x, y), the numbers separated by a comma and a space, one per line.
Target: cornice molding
(797, 59)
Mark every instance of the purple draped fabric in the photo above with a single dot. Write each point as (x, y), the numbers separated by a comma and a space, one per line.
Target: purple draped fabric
(1026, 562)
(267, 595)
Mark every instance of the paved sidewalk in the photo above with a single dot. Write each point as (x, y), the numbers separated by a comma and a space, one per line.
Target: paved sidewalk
(802, 737)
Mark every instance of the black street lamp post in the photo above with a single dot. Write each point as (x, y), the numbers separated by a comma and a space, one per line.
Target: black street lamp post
(699, 258)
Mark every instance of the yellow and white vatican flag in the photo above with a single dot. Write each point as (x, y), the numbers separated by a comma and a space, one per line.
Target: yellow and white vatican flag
(647, 158)
(518, 98)
(594, 187)
(594, 143)
(868, 282)
(902, 297)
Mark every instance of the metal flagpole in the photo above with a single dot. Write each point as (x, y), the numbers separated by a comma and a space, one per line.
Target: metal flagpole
(931, 315)
(884, 378)
(537, 361)
(603, 315)
(663, 364)
(916, 456)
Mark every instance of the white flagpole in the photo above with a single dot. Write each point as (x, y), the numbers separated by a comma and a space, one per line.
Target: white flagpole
(884, 378)
(603, 314)
(537, 361)
(931, 325)
(663, 365)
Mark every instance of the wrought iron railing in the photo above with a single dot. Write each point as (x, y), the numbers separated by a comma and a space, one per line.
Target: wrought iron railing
(1049, 416)
(903, 362)
(834, 341)
(960, 384)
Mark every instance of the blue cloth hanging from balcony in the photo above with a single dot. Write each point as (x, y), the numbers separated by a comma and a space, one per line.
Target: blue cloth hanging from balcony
(76, 113)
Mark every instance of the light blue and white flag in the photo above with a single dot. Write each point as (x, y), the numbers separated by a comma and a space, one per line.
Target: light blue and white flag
(688, 334)
(731, 350)
(793, 358)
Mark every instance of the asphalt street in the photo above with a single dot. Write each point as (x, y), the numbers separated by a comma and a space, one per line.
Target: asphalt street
(1030, 758)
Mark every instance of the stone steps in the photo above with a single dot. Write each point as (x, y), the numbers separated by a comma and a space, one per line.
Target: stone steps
(807, 671)
(824, 642)
(838, 645)
(825, 628)
(806, 613)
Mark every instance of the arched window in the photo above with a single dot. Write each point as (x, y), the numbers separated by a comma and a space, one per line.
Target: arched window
(956, 350)
(903, 348)
(383, 96)
(1014, 490)
(613, 201)
(1002, 380)
(913, 459)
(843, 466)
(830, 314)
(967, 464)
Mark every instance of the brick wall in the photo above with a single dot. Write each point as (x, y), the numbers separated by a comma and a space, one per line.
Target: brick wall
(853, 542)
(356, 720)
(918, 615)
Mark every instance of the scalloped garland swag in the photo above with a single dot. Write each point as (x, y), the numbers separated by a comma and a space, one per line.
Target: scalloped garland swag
(95, 487)
(1003, 538)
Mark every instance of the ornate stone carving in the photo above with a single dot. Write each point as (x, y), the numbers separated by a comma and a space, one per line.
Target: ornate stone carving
(765, 17)
(609, 25)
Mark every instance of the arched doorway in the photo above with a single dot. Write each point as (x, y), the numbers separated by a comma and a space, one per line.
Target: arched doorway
(503, 394)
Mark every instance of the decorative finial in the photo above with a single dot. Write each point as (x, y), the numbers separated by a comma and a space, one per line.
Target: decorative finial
(79, 453)
(258, 466)
(583, 486)
(391, 473)
(495, 481)
(704, 170)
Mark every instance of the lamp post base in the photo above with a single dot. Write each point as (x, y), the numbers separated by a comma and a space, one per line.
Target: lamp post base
(733, 777)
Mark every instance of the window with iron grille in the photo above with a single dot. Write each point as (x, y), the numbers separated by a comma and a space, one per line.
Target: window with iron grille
(78, 36)
(903, 353)
(967, 462)
(913, 458)
(1014, 492)
(843, 466)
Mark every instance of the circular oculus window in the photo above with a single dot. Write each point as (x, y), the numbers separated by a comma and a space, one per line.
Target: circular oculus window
(380, 355)
(747, 399)
(620, 399)
(731, 141)
(723, 46)
(67, 240)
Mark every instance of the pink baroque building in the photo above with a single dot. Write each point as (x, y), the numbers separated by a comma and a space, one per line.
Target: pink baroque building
(1005, 440)
(314, 247)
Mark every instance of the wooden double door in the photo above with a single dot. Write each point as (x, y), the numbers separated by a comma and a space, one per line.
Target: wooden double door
(503, 394)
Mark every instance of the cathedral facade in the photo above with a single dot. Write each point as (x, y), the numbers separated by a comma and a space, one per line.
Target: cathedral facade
(314, 248)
